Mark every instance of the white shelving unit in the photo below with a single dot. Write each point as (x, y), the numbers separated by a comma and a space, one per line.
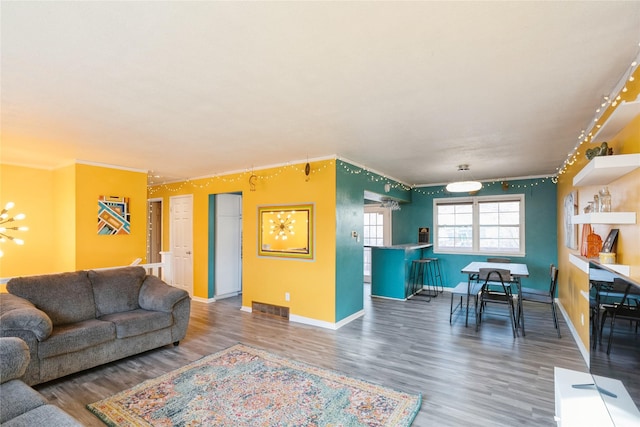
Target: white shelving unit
(622, 115)
(603, 170)
(605, 218)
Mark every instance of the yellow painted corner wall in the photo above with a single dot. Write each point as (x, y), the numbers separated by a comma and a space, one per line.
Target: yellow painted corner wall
(32, 192)
(97, 251)
(310, 283)
(63, 210)
(625, 197)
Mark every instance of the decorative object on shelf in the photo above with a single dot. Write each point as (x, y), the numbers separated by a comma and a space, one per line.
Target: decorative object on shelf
(605, 200)
(610, 241)
(607, 257)
(584, 242)
(5, 219)
(570, 229)
(594, 243)
(466, 185)
(589, 208)
(602, 150)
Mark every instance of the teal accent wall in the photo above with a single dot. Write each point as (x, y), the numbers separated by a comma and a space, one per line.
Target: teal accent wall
(541, 238)
(351, 183)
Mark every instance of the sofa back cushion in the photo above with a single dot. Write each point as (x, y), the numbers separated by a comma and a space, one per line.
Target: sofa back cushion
(117, 290)
(65, 297)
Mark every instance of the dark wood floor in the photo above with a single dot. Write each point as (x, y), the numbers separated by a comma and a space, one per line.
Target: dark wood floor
(466, 378)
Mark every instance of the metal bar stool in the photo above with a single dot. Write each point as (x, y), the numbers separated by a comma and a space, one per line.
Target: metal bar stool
(435, 276)
(418, 278)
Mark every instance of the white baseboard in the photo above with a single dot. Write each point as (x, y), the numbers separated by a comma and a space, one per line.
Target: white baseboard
(574, 333)
(316, 322)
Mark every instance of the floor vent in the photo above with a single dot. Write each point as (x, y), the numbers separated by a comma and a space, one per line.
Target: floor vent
(270, 309)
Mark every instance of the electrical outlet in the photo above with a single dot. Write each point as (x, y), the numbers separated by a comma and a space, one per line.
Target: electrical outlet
(287, 297)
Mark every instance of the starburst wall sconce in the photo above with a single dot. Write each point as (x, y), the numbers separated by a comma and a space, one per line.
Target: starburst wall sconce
(5, 221)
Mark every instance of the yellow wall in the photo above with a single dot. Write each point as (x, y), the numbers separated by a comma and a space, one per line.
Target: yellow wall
(64, 218)
(32, 191)
(310, 283)
(625, 198)
(61, 209)
(93, 250)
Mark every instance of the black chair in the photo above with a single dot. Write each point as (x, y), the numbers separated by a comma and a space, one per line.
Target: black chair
(503, 260)
(545, 296)
(628, 308)
(463, 290)
(496, 289)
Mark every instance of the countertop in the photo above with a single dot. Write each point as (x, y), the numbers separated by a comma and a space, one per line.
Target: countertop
(405, 246)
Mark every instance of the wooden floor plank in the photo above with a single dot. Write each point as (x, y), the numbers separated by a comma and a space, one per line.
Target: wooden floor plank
(466, 378)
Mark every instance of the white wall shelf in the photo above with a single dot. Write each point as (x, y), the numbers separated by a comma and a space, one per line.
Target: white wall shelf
(605, 218)
(622, 115)
(603, 170)
(583, 264)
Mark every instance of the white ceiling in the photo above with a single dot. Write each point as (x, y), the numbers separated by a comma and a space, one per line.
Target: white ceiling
(409, 89)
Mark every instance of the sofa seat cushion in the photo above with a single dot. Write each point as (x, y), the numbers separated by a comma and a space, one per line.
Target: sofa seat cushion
(76, 336)
(138, 322)
(17, 398)
(45, 415)
(116, 290)
(53, 294)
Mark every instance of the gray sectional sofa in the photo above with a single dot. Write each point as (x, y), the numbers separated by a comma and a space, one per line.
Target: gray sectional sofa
(79, 320)
(20, 405)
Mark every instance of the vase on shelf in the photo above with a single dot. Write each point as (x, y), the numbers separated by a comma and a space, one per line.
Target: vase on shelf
(604, 200)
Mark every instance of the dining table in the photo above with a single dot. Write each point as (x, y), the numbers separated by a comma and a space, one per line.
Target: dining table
(517, 271)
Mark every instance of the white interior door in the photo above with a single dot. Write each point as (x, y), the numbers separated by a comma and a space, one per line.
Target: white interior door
(377, 232)
(181, 235)
(228, 245)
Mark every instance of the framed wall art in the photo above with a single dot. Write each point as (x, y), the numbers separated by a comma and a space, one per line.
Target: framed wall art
(113, 215)
(286, 231)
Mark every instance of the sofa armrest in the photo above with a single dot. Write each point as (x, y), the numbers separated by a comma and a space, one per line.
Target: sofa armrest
(14, 358)
(156, 295)
(17, 313)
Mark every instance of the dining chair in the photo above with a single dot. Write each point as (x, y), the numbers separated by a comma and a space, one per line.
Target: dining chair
(469, 289)
(502, 260)
(496, 289)
(628, 308)
(545, 296)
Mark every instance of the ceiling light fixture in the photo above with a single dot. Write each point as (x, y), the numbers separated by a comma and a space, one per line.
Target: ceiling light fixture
(466, 185)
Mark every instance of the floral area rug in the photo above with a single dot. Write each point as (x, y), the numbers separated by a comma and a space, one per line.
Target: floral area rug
(244, 386)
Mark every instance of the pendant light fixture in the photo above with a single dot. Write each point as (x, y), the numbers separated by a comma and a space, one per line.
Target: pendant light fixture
(466, 185)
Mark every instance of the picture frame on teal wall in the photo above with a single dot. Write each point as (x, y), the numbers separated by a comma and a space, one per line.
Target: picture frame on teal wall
(286, 231)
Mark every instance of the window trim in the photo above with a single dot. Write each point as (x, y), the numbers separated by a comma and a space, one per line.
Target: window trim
(475, 201)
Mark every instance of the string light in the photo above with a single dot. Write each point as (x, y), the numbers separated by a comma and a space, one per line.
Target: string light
(234, 177)
(610, 101)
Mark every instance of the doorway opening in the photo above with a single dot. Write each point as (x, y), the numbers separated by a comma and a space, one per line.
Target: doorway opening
(154, 230)
(225, 240)
(377, 232)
